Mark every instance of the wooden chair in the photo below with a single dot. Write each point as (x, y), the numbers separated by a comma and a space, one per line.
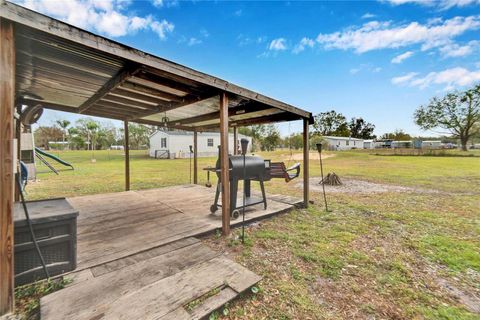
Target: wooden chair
(279, 170)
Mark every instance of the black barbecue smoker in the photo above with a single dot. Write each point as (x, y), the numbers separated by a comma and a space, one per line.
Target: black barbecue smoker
(256, 169)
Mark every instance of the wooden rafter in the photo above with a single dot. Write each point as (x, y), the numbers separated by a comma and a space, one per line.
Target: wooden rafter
(237, 110)
(126, 72)
(278, 117)
(146, 92)
(171, 106)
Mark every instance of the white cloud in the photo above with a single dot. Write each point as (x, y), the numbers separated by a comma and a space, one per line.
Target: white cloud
(193, 41)
(238, 12)
(162, 28)
(204, 33)
(441, 4)
(365, 67)
(305, 42)
(455, 50)
(451, 78)
(376, 35)
(401, 57)
(278, 44)
(165, 3)
(368, 15)
(355, 70)
(108, 17)
(405, 78)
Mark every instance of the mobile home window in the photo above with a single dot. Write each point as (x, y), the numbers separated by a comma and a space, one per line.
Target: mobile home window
(348, 143)
(163, 143)
(209, 142)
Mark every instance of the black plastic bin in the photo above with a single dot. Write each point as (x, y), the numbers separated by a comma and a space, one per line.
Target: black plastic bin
(55, 225)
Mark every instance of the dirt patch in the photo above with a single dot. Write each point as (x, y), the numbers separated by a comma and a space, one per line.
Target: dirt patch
(311, 156)
(360, 186)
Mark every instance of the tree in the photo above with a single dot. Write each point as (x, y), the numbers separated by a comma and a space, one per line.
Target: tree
(361, 129)
(331, 123)
(43, 135)
(88, 129)
(456, 112)
(138, 135)
(314, 139)
(63, 124)
(265, 136)
(271, 138)
(294, 141)
(397, 135)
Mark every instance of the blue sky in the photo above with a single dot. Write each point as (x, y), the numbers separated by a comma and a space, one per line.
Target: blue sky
(378, 60)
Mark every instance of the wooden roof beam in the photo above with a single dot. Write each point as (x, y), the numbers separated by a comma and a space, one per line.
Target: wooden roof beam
(237, 110)
(127, 71)
(146, 92)
(279, 117)
(171, 106)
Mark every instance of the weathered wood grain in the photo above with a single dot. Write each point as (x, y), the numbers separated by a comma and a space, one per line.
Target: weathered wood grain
(7, 96)
(102, 294)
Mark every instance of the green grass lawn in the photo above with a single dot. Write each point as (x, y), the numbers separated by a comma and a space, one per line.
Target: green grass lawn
(374, 256)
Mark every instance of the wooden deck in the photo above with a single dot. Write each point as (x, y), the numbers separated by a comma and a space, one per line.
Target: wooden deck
(137, 258)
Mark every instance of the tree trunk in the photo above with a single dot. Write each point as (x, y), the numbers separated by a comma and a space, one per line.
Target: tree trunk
(464, 141)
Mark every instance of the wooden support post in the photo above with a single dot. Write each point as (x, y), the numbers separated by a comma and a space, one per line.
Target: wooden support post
(224, 164)
(7, 97)
(306, 152)
(235, 140)
(127, 155)
(195, 157)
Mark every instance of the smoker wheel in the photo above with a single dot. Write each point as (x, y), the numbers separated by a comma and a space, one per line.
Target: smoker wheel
(235, 214)
(213, 208)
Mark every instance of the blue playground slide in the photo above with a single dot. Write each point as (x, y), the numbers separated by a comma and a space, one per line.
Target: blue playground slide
(51, 156)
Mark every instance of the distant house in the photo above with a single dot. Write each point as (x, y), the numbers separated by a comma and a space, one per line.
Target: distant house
(402, 144)
(176, 144)
(368, 144)
(433, 144)
(343, 143)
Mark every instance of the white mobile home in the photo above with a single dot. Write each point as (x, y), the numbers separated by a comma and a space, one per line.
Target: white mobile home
(434, 144)
(368, 144)
(176, 144)
(343, 143)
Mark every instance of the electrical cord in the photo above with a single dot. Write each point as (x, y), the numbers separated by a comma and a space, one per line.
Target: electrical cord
(30, 226)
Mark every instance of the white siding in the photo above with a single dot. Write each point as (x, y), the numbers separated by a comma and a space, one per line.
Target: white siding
(178, 144)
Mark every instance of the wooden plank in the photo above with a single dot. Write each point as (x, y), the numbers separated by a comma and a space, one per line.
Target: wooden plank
(100, 295)
(306, 157)
(213, 303)
(169, 106)
(141, 256)
(278, 117)
(164, 296)
(195, 157)
(121, 101)
(124, 73)
(128, 90)
(54, 27)
(7, 97)
(224, 164)
(127, 155)
(233, 111)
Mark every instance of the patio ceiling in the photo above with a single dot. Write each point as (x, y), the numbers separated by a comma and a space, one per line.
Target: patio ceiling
(65, 68)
